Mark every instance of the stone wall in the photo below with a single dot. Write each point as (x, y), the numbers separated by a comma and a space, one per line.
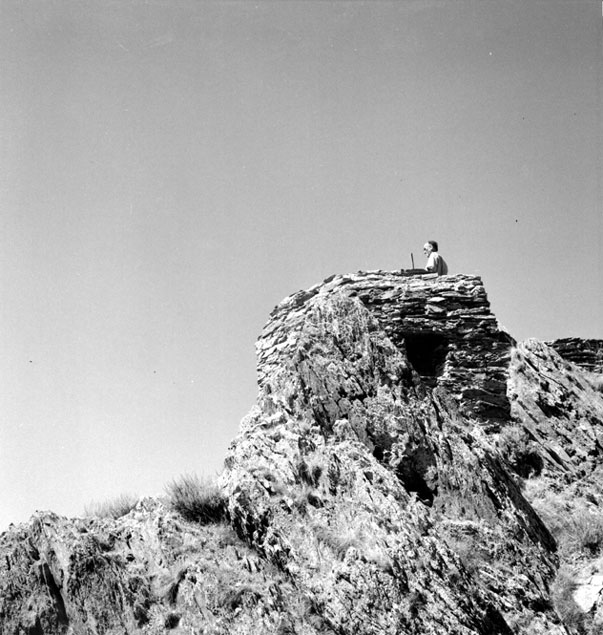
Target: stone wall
(443, 325)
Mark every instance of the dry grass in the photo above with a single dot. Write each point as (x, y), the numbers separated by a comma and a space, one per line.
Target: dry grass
(519, 451)
(197, 499)
(577, 526)
(583, 533)
(340, 539)
(115, 508)
(562, 594)
(597, 383)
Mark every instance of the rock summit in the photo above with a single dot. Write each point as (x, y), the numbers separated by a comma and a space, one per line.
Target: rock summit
(407, 468)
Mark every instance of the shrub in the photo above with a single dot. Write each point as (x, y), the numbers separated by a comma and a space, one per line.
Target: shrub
(115, 508)
(196, 499)
(520, 452)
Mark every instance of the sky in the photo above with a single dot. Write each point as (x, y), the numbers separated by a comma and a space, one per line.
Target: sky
(170, 171)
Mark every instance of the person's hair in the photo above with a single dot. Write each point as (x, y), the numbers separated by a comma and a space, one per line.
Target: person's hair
(434, 244)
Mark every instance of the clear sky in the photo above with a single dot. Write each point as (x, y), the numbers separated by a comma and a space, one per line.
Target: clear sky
(169, 171)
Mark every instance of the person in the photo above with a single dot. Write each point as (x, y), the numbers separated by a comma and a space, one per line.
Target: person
(435, 262)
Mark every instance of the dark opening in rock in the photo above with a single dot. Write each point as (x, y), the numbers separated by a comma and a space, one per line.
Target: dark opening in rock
(171, 621)
(528, 464)
(415, 483)
(417, 473)
(427, 353)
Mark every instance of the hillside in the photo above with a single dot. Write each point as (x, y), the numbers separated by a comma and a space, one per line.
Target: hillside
(407, 468)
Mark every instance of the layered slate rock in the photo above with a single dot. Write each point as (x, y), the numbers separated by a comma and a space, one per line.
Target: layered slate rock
(555, 444)
(559, 411)
(367, 473)
(443, 325)
(587, 354)
(148, 572)
(391, 478)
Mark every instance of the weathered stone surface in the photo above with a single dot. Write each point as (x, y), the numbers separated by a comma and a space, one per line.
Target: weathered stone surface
(559, 409)
(555, 443)
(404, 472)
(587, 354)
(392, 477)
(148, 572)
(588, 592)
(443, 324)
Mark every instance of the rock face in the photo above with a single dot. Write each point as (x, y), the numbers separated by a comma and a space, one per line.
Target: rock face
(148, 572)
(392, 477)
(585, 353)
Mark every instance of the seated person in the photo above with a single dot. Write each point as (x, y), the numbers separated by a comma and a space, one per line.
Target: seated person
(435, 262)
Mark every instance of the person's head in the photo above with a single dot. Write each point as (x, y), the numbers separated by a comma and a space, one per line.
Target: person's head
(429, 246)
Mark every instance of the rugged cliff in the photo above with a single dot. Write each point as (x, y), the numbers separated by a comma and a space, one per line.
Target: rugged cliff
(407, 468)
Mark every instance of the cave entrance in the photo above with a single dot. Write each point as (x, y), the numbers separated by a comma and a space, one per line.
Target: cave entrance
(427, 354)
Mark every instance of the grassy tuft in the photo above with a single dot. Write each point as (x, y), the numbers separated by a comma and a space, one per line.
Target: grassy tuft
(598, 383)
(115, 508)
(196, 499)
(562, 594)
(340, 540)
(584, 533)
(520, 452)
(577, 528)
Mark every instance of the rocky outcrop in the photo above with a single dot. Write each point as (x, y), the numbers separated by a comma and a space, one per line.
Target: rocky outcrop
(587, 354)
(443, 326)
(392, 477)
(559, 411)
(372, 467)
(148, 572)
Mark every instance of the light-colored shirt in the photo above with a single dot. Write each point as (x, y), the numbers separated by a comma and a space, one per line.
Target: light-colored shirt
(436, 264)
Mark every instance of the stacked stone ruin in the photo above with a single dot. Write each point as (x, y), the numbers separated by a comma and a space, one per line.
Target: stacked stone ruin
(443, 324)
